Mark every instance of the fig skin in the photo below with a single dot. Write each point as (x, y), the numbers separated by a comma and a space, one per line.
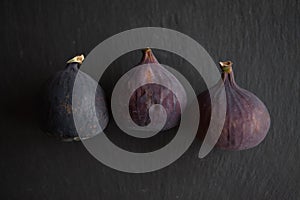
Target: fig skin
(149, 94)
(56, 105)
(247, 119)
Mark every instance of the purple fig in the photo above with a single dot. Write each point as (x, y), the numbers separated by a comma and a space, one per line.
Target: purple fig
(151, 93)
(247, 119)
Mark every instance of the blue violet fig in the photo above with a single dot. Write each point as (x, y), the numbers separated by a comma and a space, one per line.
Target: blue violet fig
(57, 110)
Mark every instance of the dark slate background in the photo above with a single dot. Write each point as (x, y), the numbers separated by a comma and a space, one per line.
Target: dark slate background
(260, 37)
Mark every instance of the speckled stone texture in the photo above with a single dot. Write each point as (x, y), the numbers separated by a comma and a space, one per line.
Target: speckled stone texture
(261, 37)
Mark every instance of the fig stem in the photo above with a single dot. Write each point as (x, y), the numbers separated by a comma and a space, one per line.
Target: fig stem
(148, 51)
(226, 66)
(77, 59)
(148, 56)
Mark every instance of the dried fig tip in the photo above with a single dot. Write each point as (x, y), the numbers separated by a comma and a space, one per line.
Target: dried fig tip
(148, 56)
(226, 66)
(77, 59)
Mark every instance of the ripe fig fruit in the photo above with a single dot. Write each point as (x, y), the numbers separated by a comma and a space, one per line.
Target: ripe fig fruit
(56, 104)
(152, 93)
(247, 119)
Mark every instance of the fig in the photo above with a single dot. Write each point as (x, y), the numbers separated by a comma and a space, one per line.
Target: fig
(153, 93)
(247, 119)
(56, 104)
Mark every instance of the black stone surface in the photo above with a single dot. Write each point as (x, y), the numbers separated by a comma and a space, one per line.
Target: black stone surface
(261, 38)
